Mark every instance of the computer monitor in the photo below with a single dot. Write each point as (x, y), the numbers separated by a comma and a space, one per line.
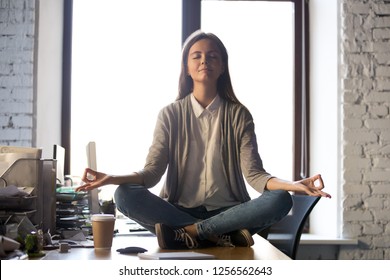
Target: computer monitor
(93, 200)
(59, 156)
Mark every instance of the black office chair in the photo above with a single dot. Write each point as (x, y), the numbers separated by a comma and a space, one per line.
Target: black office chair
(288, 231)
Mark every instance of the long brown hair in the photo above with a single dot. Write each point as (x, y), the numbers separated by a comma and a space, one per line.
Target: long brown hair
(224, 84)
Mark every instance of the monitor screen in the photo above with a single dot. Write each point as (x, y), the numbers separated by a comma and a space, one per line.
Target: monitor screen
(93, 200)
(59, 156)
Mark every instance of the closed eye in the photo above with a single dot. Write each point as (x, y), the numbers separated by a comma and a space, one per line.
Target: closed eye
(196, 56)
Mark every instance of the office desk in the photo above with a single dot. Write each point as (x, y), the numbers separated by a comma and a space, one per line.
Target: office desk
(261, 250)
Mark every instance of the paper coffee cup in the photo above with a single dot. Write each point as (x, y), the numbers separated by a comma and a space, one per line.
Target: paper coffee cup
(103, 230)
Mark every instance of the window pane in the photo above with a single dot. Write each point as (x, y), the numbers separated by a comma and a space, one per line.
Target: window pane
(259, 38)
(125, 68)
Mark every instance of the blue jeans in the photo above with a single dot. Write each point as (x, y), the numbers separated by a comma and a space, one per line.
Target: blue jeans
(147, 209)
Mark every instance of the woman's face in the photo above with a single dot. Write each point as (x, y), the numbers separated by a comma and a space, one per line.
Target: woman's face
(204, 62)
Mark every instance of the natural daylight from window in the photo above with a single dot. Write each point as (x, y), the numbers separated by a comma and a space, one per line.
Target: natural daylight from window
(125, 68)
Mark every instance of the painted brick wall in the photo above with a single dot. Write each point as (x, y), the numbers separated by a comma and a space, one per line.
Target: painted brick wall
(17, 19)
(365, 91)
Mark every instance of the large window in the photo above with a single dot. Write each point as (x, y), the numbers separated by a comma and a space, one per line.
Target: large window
(273, 18)
(125, 66)
(261, 58)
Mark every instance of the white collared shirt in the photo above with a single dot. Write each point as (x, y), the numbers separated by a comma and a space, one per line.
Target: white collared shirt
(205, 182)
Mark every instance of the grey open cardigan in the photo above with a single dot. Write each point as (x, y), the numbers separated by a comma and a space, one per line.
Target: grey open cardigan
(171, 145)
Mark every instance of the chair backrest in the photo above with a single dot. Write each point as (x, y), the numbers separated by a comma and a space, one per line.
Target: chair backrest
(290, 227)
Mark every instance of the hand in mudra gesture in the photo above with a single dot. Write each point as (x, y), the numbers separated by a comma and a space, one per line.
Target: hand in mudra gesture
(93, 179)
(312, 186)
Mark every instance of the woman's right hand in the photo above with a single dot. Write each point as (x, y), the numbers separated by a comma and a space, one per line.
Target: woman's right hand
(93, 179)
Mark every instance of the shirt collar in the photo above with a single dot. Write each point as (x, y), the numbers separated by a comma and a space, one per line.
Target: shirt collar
(212, 107)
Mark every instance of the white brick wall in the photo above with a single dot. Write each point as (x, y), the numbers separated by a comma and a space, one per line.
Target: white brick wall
(365, 90)
(17, 18)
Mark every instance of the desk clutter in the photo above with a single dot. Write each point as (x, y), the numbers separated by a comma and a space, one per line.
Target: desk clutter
(72, 210)
(27, 193)
(35, 203)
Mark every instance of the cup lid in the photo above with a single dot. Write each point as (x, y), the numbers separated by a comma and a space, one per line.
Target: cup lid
(102, 217)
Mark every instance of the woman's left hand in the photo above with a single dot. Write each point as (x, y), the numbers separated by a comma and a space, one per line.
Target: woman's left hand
(312, 186)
